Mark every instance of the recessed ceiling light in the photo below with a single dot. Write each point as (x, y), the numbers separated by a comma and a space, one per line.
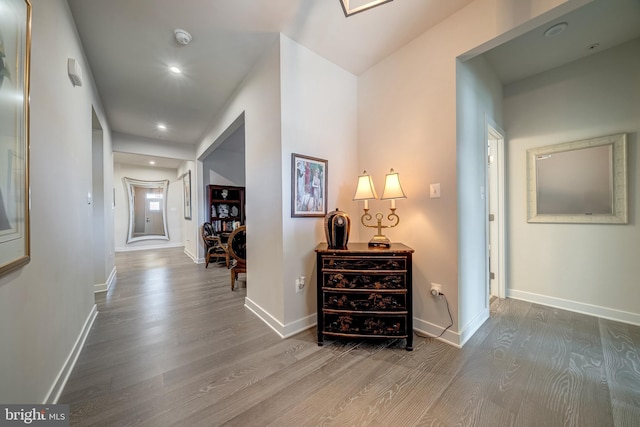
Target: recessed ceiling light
(175, 70)
(556, 29)
(151, 162)
(162, 127)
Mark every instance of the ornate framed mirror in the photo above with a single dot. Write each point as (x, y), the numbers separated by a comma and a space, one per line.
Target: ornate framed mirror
(147, 209)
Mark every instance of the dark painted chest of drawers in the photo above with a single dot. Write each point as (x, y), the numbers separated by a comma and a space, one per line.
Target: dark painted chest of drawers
(365, 292)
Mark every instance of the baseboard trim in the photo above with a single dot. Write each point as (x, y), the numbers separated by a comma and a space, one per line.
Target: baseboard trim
(578, 307)
(432, 330)
(472, 327)
(61, 380)
(144, 248)
(104, 287)
(285, 331)
(190, 255)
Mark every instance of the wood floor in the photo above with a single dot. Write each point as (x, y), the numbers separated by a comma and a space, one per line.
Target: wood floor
(172, 345)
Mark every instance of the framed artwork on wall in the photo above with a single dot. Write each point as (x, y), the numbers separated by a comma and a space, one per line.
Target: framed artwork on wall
(308, 186)
(186, 185)
(15, 45)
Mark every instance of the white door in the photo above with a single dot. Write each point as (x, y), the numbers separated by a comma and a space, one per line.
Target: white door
(153, 214)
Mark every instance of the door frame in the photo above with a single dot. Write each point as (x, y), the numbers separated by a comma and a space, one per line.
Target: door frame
(493, 132)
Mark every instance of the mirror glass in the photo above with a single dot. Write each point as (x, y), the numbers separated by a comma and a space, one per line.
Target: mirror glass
(147, 209)
(578, 182)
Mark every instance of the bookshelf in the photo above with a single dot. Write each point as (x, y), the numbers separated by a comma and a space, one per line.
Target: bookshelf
(226, 208)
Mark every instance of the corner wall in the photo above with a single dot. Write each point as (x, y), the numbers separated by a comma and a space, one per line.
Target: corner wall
(591, 268)
(407, 120)
(256, 104)
(478, 99)
(319, 119)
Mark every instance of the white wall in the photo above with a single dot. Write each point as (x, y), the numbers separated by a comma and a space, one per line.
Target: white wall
(256, 103)
(319, 119)
(294, 101)
(175, 211)
(478, 98)
(225, 166)
(407, 120)
(588, 268)
(46, 305)
(188, 227)
(153, 147)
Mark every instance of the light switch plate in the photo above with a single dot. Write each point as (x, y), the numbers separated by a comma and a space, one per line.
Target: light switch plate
(434, 191)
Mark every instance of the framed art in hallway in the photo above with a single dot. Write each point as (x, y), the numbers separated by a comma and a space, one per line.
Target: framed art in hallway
(15, 43)
(308, 186)
(186, 185)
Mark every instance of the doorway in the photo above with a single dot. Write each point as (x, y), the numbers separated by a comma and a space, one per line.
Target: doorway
(99, 242)
(495, 210)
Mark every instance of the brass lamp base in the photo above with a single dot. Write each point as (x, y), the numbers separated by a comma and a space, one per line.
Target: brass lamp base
(380, 241)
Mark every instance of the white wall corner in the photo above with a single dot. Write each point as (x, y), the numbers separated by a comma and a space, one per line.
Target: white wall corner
(472, 327)
(285, 331)
(104, 287)
(193, 257)
(61, 379)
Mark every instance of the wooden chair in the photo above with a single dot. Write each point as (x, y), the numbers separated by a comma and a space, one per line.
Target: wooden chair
(214, 246)
(237, 245)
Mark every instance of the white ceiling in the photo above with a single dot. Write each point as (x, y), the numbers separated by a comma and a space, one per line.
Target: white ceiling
(129, 45)
(606, 23)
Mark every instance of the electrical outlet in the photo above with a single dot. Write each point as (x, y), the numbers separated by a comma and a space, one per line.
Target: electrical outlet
(300, 284)
(436, 289)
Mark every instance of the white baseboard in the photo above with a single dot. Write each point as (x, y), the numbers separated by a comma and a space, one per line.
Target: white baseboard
(426, 328)
(578, 307)
(190, 255)
(472, 327)
(61, 380)
(285, 331)
(147, 247)
(104, 287)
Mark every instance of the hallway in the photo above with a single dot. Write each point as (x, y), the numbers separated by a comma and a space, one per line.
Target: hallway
(172, 345)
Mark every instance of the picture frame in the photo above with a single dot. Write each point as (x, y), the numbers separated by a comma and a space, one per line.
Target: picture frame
(309, 177)
(186, 186)
(15, 52)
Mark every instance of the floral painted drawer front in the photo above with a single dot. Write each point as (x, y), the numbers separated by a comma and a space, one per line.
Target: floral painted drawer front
(364, 264)
(348, 280)
(365, 301)
(354, 324)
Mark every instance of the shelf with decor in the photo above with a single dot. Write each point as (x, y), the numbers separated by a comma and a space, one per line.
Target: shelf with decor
(225, 208)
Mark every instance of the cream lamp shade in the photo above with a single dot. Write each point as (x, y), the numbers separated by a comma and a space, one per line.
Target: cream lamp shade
(392, 188)
(365, 189)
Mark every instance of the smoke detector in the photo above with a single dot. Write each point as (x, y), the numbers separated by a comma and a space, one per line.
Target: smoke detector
(182, 36)
(555, 30)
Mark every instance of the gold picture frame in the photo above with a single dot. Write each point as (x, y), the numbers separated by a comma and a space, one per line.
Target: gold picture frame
(15, 52)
